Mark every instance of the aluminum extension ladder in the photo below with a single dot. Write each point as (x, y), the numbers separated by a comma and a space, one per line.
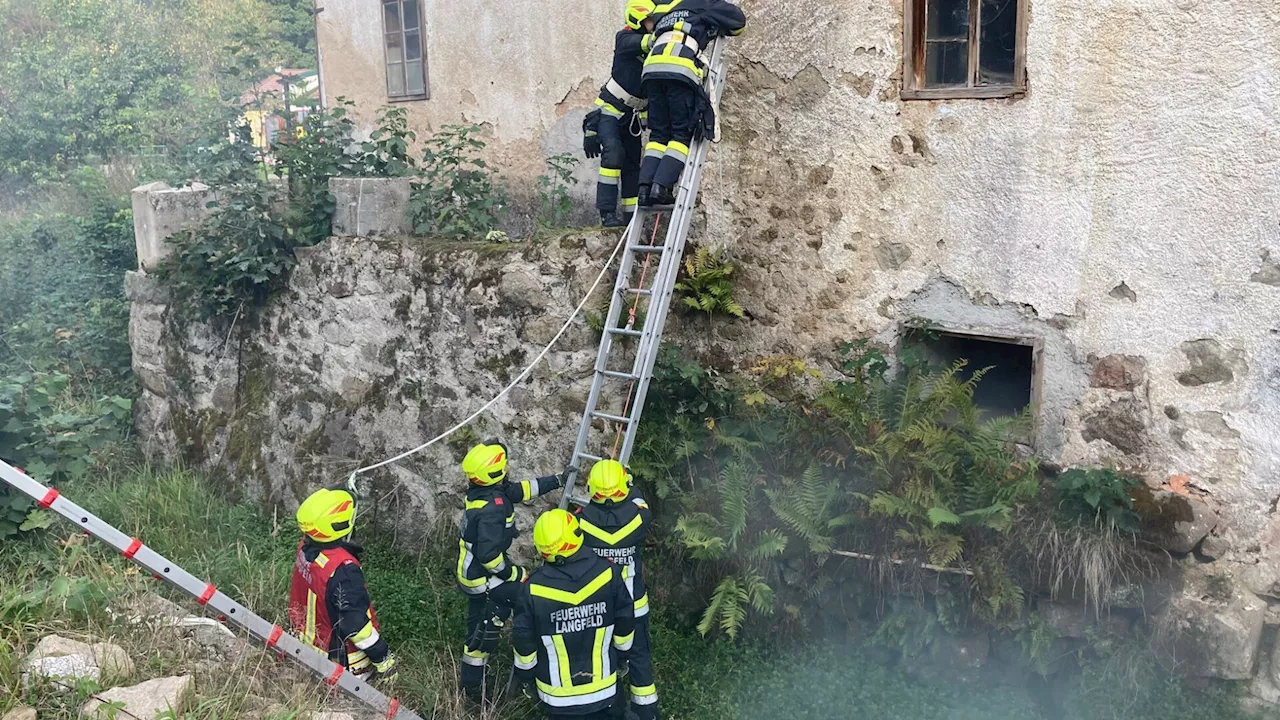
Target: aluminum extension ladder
(206, 595)
(609, 431)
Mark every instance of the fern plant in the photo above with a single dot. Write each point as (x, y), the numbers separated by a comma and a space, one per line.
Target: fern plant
(727, 610)
(707, 284)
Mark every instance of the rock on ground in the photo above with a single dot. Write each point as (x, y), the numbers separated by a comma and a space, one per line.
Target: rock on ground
(63, 667)
(146, 701)
(22, 712)
(110, 659)
(1213, 627)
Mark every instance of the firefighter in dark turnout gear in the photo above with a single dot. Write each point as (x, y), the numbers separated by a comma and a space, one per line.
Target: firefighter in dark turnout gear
(614, 525)
(490, 580)
(329, 605)
(614, 129)
(574, 624)
(672, 77)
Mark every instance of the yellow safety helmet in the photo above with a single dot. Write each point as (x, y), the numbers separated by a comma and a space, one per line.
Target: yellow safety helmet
(637, 11)
(608, 480)
(557, 535)
(327, 515)
(486, 464)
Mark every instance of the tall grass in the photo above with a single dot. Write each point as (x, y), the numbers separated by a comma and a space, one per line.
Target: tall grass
(249, 554)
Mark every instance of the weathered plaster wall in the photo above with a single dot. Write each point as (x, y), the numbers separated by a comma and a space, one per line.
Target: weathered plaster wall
(507, 66)
(1125, 207)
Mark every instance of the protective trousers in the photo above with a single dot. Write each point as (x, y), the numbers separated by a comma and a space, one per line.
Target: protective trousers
(500, 602)
(673, 111)
(644, 695)
(620, 149)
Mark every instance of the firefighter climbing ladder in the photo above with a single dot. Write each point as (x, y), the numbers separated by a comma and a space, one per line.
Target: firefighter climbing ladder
(205, 594)
(608, 382)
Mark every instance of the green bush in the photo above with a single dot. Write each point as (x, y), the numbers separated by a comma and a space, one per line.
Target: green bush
(457, 198)
(769, 471)
(554, 204)
(244, 250)
(1102, 495)
(62, 301)
(49, 439)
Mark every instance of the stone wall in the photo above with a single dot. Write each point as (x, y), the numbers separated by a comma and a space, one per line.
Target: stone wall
(1123, 211)
(379, 343)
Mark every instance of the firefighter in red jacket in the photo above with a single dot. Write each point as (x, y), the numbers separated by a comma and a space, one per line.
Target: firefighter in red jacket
(329, 604)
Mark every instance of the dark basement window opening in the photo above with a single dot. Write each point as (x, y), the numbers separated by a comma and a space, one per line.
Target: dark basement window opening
(1013, 382)
(964, 49)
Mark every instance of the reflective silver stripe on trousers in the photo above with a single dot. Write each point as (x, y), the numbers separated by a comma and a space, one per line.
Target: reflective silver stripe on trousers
(604, 180)
(677, 154)
(631, 100)
(643, 699)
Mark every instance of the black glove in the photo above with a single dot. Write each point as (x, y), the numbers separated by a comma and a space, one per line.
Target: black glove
(590, 138)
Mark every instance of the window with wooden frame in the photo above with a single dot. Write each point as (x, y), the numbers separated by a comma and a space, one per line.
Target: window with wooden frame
(964, 49)
(406, 56)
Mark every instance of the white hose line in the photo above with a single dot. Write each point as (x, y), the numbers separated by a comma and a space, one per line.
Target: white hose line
(351, 482)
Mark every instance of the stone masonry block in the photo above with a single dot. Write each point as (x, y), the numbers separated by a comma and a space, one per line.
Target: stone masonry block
(371, 207)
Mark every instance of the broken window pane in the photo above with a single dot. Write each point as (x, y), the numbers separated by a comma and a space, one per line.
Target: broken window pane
(417, 84)
(395, 78)
(411, 15)
(391, 17)
(999, 36)
(946, 63)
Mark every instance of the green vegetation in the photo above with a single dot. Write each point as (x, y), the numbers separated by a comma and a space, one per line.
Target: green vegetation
(244, 251)
(59, 581)
(554, 203)
(707, 285)
(764, 474)
(457, 198)
(129, 80)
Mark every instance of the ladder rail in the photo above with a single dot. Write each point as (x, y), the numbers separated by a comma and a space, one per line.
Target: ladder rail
(205, 594)
(678, 235)
(650, 338)
(633, 232)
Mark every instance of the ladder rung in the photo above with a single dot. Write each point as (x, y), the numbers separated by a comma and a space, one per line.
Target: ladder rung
(624, 331)
(636, 291)
(611, 418)
(618, 375)
(589, 456)
(647, 248)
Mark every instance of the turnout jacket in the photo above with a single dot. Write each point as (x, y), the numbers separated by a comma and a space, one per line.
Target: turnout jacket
(615, 530)
(624, 91)
(329, 605)
(573, 623)
(487, 528)
(682, 29)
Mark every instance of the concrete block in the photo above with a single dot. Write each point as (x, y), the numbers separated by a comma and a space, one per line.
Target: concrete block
(160, 211)
(371, 207)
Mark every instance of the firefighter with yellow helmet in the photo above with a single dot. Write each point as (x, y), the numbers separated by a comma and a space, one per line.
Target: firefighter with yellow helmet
(329, 605)
(489, 579)
(614, 524)
(614, 129)
(574, 624)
